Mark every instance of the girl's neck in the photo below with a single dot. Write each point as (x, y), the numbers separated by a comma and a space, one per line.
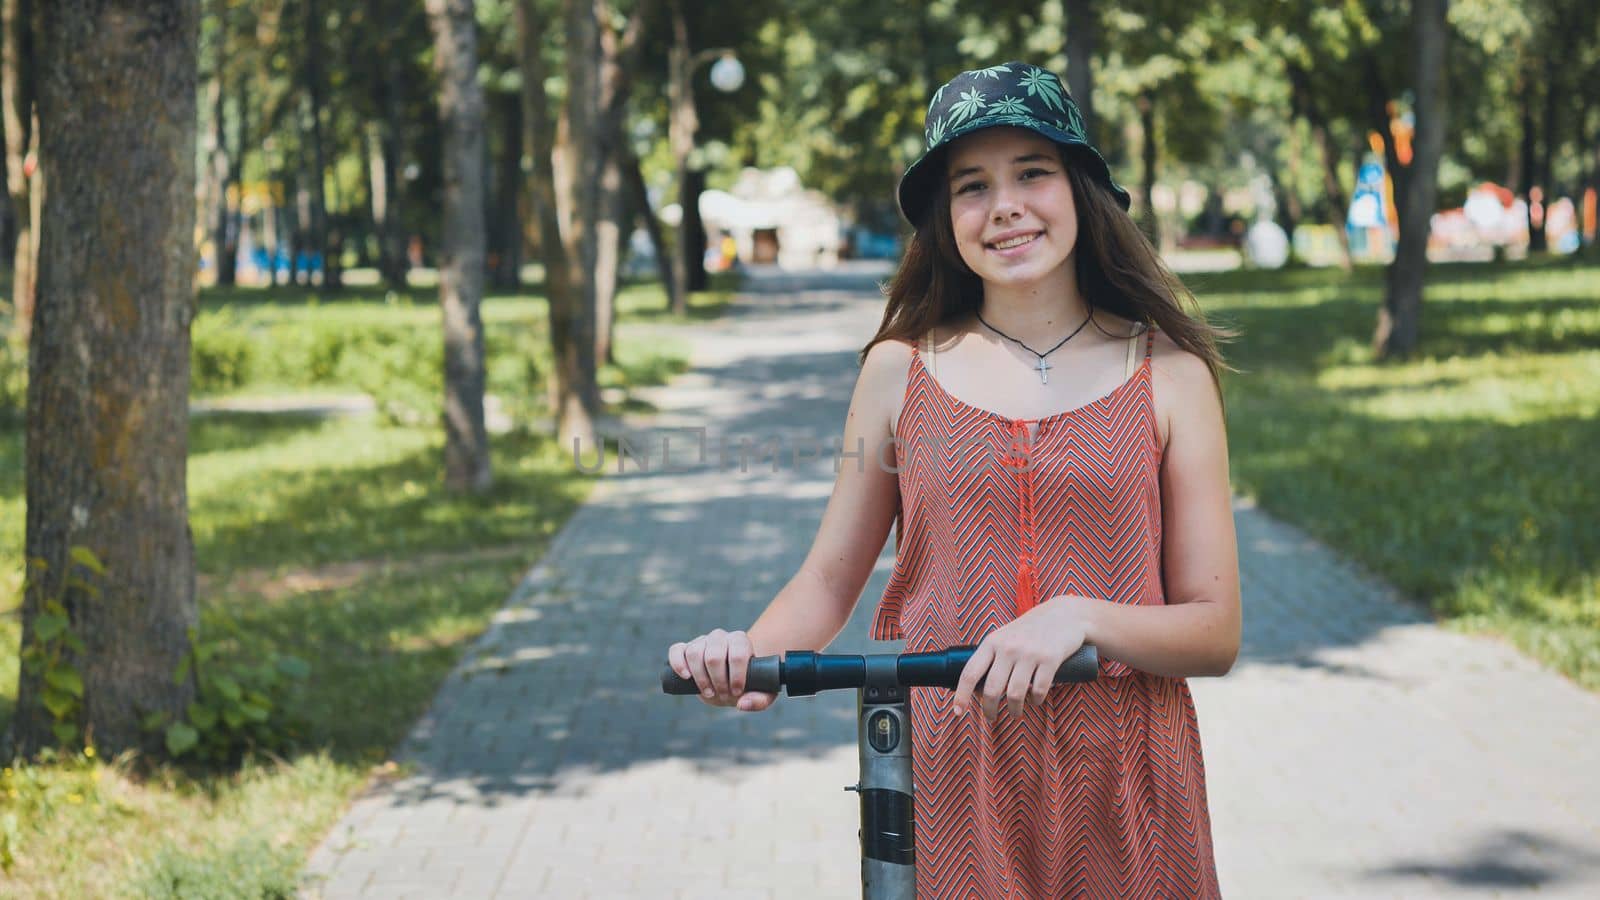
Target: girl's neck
(1039, 313)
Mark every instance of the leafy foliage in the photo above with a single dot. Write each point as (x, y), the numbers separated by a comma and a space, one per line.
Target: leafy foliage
(242, 704)
(52, 653)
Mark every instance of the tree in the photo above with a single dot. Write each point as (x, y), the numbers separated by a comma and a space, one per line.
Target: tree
(1082, 35)
(1400, 320)
(108, 400)
(23, 182)
(461, 269)
(574, 389)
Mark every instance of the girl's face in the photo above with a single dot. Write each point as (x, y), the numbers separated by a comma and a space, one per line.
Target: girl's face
(1011, 206)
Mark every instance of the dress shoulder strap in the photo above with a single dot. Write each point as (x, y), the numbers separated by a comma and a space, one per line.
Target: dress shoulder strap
(1148, 332)
(931, 358)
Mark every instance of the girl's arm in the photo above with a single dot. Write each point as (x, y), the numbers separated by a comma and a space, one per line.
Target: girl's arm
(808, 613)
(1197, 631)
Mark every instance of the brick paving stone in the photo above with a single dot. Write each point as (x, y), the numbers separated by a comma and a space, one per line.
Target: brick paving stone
(1356, 750)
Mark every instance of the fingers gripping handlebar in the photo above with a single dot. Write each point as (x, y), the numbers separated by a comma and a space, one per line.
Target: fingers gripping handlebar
(802, 673)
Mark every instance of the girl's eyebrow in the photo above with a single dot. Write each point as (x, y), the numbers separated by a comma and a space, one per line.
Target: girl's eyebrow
(1026, 158)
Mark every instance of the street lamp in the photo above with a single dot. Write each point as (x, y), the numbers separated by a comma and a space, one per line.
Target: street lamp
(727, 74)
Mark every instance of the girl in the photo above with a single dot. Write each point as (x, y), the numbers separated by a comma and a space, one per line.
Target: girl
(1049, 392)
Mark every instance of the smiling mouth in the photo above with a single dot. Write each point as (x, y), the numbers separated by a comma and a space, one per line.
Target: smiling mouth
(1015, 242)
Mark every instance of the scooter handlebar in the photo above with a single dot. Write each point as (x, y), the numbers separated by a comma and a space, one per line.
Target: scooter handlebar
(802, 672)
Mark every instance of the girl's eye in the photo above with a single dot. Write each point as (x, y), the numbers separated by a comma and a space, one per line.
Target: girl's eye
(1035, 173)
(969, 187)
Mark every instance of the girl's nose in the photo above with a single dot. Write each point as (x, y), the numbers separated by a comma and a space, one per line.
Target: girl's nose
(1006, 205)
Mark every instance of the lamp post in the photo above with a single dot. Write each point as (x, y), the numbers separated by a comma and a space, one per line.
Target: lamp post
(688, 269)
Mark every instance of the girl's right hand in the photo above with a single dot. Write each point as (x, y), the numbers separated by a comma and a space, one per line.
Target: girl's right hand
(717, 663)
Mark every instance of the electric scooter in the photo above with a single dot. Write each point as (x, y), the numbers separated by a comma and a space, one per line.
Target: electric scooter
(888, 845)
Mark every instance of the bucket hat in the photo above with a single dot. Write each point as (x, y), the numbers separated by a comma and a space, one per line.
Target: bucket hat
(1014, 93)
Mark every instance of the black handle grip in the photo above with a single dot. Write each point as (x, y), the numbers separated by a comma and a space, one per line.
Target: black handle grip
(940, 668)
(945, 666)
(765, 673)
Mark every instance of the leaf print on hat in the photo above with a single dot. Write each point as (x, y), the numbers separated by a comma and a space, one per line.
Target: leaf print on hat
(1075, 119)
(991, 72)
(1009, 106)
(935, 133)
(1043, 85)
(970, 104)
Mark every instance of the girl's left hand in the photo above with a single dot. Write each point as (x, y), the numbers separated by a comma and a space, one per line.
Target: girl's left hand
(1017, 662)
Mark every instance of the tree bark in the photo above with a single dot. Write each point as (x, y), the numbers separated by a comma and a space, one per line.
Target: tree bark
(652, 226)
(384, 157)
(222, 166)
(228, 273)
(618, 60)
(507, 238)
(461, 264)
(1147, 142)
(609, 234)
(574, 391)
(688, 272)
(22, 148)
(1082, 36)
(316, 89)
(108, 389)
(1400, 321)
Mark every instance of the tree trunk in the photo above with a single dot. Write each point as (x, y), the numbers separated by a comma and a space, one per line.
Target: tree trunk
(1528, 167)
(507, 241)
(652, 226)
(320, 237)
(1400, 321)
(584, 167)
(223, 247)
(22, 149)
(228, 272)
(1147, 142)
(108, 397)
(609, 234)
(461, 263)
(688, 271)
(1560, 54)
(693, 230)
(384, 157)
(1082, 36)
(574, 392)
(618, 59)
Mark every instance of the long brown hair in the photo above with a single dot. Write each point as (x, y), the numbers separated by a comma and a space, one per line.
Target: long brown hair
(1118, 271)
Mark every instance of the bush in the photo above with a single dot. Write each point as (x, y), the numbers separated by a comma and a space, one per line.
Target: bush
(402, 369)
(221, 354)
(13, 379)
(241, 705)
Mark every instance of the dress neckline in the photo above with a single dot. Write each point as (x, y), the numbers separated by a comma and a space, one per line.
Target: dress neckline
(1138, 373)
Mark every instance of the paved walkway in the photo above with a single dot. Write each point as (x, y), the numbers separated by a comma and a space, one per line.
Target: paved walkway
(1354, 751)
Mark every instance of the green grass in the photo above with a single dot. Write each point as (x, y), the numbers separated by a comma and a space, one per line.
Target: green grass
(331, 539)
(1466, 475)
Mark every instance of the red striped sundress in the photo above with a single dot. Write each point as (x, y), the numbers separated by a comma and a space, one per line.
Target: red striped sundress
(1100, 793)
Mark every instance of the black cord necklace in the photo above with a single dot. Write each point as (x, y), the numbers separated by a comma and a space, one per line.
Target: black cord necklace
(1043, 367)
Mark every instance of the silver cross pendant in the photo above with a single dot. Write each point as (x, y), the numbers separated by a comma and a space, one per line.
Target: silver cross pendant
(1044, 369)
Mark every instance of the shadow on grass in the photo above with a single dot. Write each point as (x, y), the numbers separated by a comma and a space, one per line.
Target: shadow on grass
(219, 432)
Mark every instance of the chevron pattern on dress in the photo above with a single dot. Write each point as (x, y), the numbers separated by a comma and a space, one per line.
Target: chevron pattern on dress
(1101, 793)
